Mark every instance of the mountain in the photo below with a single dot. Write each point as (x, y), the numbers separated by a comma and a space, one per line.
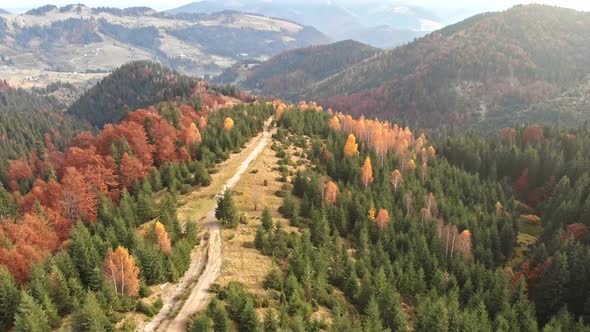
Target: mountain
(289, 73)
(28, 118)
(376, 23)
(480, 70)
(48, 41)
(2, 11)
(134, 85)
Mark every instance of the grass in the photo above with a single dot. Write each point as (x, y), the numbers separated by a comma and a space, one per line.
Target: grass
(527, 236)
(242, 262)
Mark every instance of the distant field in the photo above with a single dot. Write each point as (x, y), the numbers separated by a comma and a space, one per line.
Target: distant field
(31, 78)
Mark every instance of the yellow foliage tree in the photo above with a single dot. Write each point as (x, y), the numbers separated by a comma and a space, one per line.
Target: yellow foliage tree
(367, 172)
(120, 268)
(334, 123)
(351, 148)
(228, 124)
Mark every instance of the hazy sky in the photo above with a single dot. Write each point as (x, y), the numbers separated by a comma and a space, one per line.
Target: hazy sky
(167, 4)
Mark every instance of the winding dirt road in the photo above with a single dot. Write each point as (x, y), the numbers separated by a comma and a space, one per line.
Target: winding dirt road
(200, 295)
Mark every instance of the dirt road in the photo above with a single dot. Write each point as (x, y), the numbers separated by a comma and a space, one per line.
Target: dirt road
(200, 295)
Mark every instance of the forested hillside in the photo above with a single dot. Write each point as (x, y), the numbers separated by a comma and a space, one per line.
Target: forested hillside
(392, 234)
(86, 230)
(77, 42)
(481, 70)
(29, 120)
(140, 84)
(290, 73)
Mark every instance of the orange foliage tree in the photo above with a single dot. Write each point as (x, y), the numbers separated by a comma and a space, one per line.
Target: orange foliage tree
(163, 239)
(331, 193)
(382, 219)
(120, 268)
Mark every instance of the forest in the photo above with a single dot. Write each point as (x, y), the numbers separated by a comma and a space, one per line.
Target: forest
(398, 233)
(86, 229)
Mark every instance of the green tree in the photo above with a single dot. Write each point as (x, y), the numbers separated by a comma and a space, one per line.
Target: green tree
(9, 298)
(91, 317)
(226, 211)
(30, 316)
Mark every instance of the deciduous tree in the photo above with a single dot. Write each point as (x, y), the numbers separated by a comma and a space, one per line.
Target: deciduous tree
(351, 147)
(120, 268)
(367, 172)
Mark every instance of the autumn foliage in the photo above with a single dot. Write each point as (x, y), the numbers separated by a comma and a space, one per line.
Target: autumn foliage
(120, 268)
(367, 172)
(331, 193)
(228, 124)
(382, 219)
(163, 239)
(351, 147)
(68, 185)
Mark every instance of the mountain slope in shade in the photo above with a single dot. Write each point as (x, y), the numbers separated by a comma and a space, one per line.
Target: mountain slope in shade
(134, 85)
(3, 11)
(483, 68)
(289, 73)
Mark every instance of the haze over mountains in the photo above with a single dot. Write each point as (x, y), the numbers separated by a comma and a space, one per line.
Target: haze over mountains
(490, 69)
(85, 41)
(379, 24)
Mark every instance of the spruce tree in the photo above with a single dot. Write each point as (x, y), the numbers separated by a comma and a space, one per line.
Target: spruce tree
(90, 317)
(30, 316)
(10, 296)
(226, 211)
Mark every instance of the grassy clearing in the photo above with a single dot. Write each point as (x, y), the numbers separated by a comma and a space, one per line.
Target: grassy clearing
(527, 236)
(242, 262)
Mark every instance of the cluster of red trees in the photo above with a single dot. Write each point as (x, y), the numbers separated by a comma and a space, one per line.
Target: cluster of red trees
(68, 185)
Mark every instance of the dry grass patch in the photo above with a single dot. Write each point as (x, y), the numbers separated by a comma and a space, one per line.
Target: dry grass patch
(242, 262)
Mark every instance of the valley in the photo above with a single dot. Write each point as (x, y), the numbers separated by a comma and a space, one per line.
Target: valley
(202, 169)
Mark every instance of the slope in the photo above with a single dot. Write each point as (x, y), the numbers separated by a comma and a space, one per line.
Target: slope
(133, 85)
(290, 72)
(80, 39)
(488, 65)
(372, 22)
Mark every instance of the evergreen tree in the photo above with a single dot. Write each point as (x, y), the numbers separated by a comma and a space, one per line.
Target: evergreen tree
(9, 299)
(226, 211)
(91, 317)
(30, 316)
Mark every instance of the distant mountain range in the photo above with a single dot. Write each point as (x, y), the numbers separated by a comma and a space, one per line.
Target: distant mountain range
(527, 64)
(379, 24)
(292, 72)
(76, 38)
(2, 11)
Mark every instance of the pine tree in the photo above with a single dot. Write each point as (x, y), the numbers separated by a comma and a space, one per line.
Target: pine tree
(85, 256)
(271, 323)
(200, 323)
(9, 298)
(30, 316)
(146, 202)
(226, 211)
(249, 321)
(216, 311)
(90, 316)
(373, 319)
(267, 220)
